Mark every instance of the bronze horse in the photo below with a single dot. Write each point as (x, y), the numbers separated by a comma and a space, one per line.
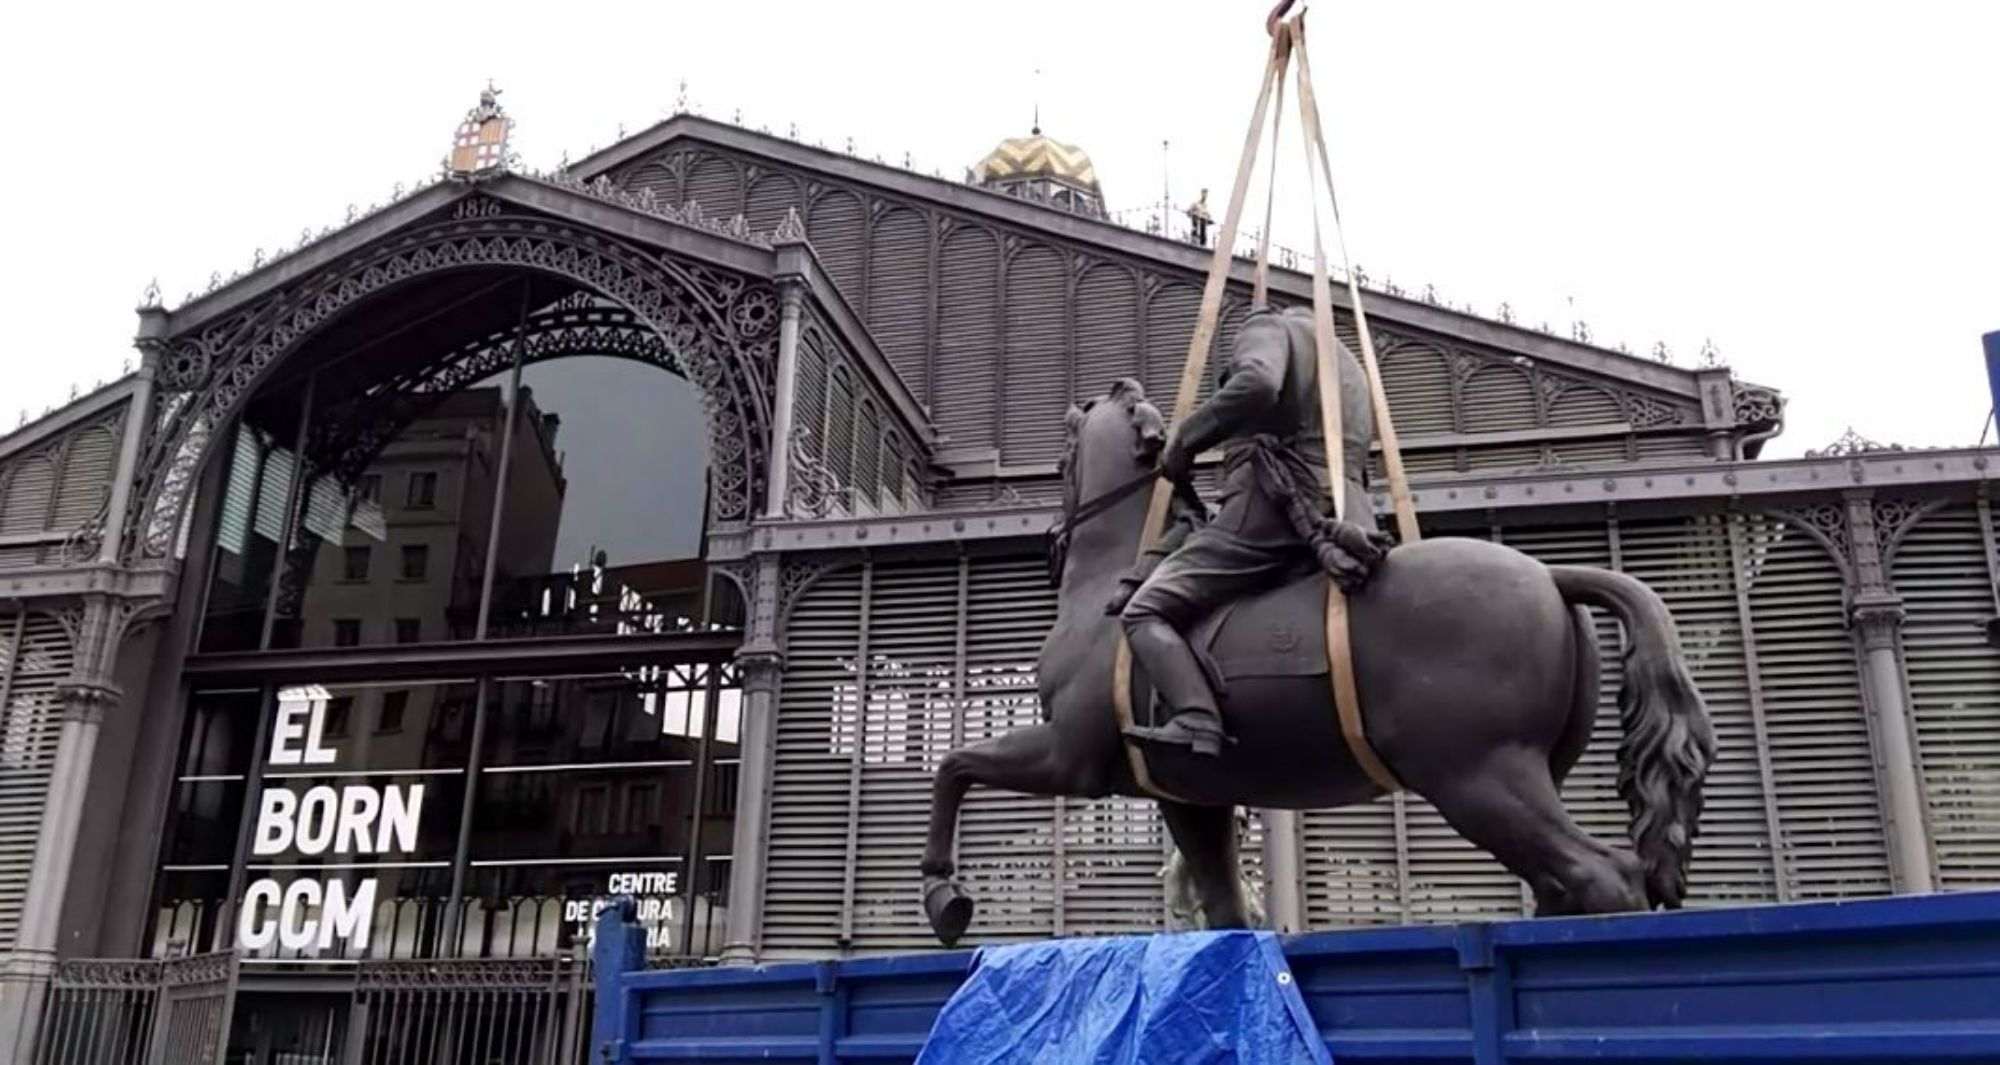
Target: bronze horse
(1478, 673)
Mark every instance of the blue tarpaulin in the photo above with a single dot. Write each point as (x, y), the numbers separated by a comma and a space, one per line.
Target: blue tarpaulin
(1199, 997)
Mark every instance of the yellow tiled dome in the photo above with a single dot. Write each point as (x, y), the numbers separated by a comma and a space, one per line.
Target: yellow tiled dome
(1037, 156)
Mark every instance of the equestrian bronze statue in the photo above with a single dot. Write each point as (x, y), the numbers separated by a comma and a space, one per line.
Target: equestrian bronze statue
(1476, 666)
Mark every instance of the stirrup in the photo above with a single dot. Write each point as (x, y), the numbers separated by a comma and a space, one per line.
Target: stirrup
(1198, 730)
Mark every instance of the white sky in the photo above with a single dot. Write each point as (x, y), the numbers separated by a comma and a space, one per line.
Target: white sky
(1811, 184)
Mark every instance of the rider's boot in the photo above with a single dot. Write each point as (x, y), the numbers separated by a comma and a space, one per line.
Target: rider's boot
(1181, 685)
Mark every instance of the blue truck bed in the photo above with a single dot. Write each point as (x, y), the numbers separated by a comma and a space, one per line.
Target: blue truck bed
(1911, 979)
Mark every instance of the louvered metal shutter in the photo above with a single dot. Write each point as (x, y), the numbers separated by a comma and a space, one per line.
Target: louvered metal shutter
(867, 458)
(1608, 451)
(1350, 860)
(1821, 761)
(838, 230)
(1036, 373)
(899, 277)
(34, 658)
(1170, 315)
(887, 668)
(770, 195)
(1941, 572)
(1498, 398)
(809, 396)
(905, 729)
(1584, 405)
(716, 184)
(26, 494)
(1515, 457)
(1112, 853)
(840, 411)
(86, 476)
(812, 793)
(1418, 382)
(1680, 446)
(968, 336)
(1688, 562)
(1006, 842)
(1107, 329)
(658, 177)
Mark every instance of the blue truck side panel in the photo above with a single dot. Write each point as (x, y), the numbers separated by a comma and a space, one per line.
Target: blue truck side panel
(1913, 979)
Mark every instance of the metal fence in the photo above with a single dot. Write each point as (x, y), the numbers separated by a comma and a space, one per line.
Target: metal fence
(169, 1012)
(485, 1011)
(469, 1012)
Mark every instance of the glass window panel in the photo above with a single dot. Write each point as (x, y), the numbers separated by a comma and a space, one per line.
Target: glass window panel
(438, 463)
(599, 813)
(341, 913)
(249, 522)
(187, 910)
(605, 505)
(635, 715)
(371, 728)
(525, 909)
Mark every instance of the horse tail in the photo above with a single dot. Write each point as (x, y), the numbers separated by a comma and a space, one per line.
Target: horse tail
(1669, 743)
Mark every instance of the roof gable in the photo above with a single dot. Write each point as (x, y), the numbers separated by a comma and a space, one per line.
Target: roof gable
(1112, 239)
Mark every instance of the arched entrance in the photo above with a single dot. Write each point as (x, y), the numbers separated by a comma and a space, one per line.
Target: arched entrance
(715, 326)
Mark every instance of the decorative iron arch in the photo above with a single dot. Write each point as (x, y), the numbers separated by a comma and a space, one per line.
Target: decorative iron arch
(719, 325)
(348, 440)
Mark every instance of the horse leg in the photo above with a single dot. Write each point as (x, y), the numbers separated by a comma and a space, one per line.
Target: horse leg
(1206, 836)
(1509, 805)
(1026, 760)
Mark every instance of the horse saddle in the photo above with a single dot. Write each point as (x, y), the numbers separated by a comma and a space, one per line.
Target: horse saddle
(1279, 632)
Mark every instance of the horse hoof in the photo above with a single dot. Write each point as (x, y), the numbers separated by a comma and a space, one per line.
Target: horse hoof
(948, 907)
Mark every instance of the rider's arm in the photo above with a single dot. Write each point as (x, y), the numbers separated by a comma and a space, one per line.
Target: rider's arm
(1256, 376)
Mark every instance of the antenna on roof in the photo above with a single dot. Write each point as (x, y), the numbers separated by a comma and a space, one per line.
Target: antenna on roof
(1036, 129)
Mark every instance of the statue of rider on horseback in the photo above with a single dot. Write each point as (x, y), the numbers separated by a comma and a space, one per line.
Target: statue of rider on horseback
(1275, 520)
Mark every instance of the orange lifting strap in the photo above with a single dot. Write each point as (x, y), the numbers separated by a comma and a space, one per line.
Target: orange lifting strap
(1287, 40)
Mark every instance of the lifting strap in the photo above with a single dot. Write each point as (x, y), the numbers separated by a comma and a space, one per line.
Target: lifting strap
(1287, 38)
(1339, 644)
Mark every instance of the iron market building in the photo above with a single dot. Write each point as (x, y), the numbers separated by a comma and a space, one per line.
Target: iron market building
(655, 525)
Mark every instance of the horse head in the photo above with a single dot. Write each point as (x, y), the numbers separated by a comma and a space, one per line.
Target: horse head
(1110, 440)
(1111, 450)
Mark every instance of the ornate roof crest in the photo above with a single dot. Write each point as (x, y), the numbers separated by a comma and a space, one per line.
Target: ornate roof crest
(480, 148)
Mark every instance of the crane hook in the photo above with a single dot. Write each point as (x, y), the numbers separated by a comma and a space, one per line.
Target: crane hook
(1278, 12)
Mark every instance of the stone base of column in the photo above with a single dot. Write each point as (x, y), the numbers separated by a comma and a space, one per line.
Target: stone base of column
(24, 986)
(739, 954)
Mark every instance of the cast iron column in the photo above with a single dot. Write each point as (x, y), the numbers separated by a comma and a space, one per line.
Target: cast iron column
(1284, 903)
(24, 981)
(762, 666)
(779, 481)
(1878, 616)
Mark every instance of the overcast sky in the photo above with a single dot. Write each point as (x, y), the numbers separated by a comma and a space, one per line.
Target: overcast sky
(1811, 184)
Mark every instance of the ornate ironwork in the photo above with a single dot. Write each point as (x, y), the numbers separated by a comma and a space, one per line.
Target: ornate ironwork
(1894, 518)
(791, 228)
(1648, 412)
(1851, 443)
(208, 375)
(1755, 405)
(1826, 523)
(691, 213)
(814, 486)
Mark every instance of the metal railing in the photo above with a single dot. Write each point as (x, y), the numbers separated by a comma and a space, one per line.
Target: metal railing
(116, 1012)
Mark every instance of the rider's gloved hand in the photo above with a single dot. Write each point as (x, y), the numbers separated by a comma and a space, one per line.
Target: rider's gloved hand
(1349, 552)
